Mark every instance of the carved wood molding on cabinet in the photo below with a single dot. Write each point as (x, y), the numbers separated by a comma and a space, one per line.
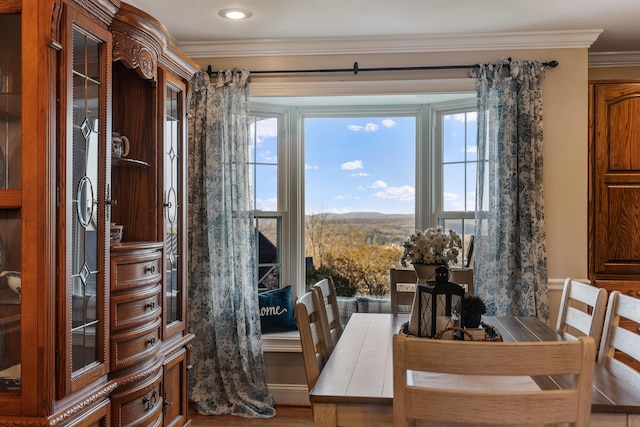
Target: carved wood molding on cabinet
(61, 419)
(135, 56)
(103, 10)
(137, 376)
(56, 14)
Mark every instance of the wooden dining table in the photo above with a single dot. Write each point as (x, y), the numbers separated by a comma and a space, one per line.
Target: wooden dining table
(355, 388)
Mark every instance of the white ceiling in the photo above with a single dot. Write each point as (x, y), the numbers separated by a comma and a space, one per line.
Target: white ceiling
(196, 22)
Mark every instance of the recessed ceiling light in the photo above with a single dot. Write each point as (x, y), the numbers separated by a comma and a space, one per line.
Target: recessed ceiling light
(235, 14)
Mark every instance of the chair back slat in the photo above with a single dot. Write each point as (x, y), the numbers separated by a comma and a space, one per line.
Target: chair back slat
(314, 338)
(401, 297)
(582, 310)
(621, 310)
(454, 394)
(327, 295)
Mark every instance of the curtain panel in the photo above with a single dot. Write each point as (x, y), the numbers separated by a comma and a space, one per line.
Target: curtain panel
(510, 266)
(228, 375)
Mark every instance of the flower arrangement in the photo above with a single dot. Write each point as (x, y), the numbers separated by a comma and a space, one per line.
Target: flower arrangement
(434, 246)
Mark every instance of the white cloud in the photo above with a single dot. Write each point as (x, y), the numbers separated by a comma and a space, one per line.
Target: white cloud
(388, 123)
(360, 174)
(267, 128)
(341, 210)
(356, 164)
(403, 193)
(450, 196)
(267, 204)
(369, 127)
(268, 157)
(308, 166)
(472, 149)
(470, 117)
(379, 184)
(347, 196)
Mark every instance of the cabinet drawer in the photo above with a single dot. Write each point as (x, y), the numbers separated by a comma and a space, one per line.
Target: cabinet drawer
(135, 345)
(129, 309)
(139, 406)
(135, 270)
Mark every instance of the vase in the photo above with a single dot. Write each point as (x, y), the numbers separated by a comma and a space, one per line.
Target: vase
(471, 320)
(427, 272)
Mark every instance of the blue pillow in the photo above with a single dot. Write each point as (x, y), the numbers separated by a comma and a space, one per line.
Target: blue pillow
(276, 311)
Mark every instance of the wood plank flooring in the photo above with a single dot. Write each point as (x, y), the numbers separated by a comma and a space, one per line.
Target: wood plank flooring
(286, 416)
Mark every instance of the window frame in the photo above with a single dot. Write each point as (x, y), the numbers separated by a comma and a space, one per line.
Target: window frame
(291, 185)
(439, 214)
(281, 212)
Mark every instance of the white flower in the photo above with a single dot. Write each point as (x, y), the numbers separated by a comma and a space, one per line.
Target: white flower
(434, 245)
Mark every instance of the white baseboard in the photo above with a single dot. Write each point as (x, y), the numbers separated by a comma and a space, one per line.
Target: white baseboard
(290, 394)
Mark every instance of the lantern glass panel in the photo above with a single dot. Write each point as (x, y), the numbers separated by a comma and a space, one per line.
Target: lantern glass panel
(440, 306)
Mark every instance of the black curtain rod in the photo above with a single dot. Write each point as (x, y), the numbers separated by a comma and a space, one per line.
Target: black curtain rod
(356, 69)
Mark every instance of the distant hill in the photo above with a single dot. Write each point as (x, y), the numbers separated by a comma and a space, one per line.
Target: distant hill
(368, 215)
(376, 228)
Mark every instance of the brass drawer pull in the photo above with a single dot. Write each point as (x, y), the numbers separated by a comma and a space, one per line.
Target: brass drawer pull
(150, 269)
(150, 305)
(167, 403)
(150, 402)
(151, 341)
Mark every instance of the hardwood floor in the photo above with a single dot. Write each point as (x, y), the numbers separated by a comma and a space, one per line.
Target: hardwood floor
(286, 416)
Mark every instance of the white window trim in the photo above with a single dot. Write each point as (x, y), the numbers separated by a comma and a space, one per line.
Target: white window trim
(291, 154)
(436, 112)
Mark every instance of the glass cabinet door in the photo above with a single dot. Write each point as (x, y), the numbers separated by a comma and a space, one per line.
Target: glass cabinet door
(10, 183)
(85, 204)
(173, 195)
(85, 216)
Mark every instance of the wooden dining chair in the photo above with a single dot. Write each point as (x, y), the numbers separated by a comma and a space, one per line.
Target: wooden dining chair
(401, 296)
(326, 290)
(582, 310)
(504, 393)
(314, 337)
(622, 310)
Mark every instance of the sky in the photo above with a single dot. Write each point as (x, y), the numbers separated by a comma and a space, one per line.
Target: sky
(367, 164)
(360, 164)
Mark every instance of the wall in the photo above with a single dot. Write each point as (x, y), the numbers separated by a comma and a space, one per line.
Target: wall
(565, 95)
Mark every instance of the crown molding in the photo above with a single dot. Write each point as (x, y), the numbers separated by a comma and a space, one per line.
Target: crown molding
(400, 44)
(614, 59)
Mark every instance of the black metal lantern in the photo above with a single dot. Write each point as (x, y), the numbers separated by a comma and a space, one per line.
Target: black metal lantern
(439, 304)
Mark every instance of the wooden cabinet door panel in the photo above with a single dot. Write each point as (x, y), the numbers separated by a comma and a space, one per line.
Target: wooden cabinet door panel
(174, 386)
(616, 179)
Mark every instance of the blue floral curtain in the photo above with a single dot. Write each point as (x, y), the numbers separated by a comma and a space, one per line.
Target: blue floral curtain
(510, 266)
(228, 375)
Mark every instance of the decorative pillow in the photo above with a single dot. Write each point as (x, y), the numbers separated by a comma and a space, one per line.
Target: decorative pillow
(346, 307)
(276, 311)
(373, 305)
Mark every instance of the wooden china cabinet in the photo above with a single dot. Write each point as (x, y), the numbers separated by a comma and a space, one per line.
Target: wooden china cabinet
(614, 188)
(92, 330)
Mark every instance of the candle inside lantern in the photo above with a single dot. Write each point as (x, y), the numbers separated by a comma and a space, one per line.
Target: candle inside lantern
(444, 322)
